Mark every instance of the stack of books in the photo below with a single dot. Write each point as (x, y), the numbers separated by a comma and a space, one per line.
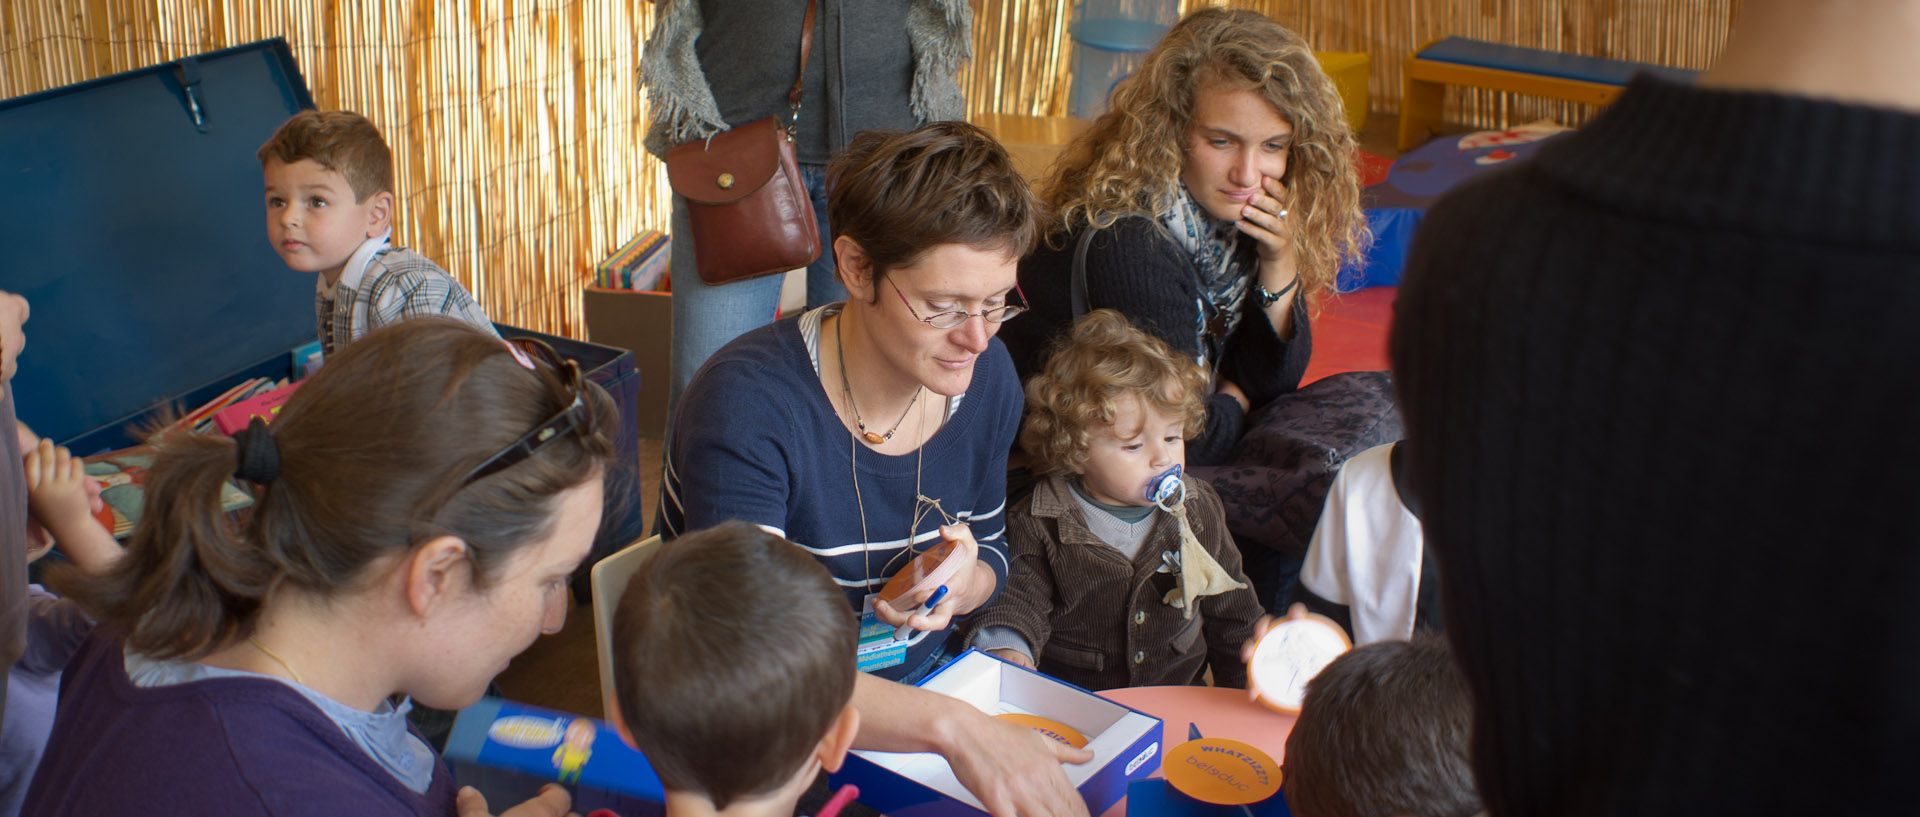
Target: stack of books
(637, 265)
(122, 493)
(231, 411)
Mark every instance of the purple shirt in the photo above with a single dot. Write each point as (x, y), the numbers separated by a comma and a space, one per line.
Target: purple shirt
(225, 746)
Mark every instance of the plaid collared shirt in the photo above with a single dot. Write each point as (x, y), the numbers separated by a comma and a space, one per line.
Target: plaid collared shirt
(398, 284)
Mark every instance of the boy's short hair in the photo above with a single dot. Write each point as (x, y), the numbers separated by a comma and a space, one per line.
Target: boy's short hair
(1090, 371)
(901, 194)
(1384, 730)
(340, 141)
(733, 654)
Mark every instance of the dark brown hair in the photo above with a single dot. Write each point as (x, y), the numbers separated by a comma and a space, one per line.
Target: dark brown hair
(340, 141)
(732, 656)
(1092, 370)
(901, 194)
(1383, 731)
(374, 451)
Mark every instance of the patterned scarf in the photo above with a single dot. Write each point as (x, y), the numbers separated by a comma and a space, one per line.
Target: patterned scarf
(1224, 276)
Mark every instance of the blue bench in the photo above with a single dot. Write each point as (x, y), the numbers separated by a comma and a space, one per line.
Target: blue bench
(1460, 61)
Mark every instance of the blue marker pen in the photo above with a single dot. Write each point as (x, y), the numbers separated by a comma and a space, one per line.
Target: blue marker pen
(905, 631)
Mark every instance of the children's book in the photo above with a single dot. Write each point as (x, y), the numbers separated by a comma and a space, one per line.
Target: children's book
(637, 265)
(509, 750)
(201, 419)
(265, 406)
(121, 474)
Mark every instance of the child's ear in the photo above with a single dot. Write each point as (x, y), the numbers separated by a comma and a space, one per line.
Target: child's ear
(434, 572)
(619, 722)
(380, 217)
(833, 748)
(854, 268)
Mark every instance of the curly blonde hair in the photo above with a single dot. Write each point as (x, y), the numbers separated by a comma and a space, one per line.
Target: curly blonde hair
(1123, 163)
(1092, 372)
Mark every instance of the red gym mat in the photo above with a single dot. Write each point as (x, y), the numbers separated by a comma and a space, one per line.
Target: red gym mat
(1350, 333)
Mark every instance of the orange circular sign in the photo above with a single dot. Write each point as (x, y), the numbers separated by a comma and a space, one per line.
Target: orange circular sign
(924, 574)
(1289, 655)
(1221, 771)
(1051, 728)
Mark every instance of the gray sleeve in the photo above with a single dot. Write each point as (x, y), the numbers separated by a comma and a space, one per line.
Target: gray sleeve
(1002, 638)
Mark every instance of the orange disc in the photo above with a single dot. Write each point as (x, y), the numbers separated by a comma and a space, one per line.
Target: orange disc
(1221, 771)
(924, 574)
(1289, 655)
(1051, 728)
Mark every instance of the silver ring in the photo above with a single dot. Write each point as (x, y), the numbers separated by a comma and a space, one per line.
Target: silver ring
(1283, 212)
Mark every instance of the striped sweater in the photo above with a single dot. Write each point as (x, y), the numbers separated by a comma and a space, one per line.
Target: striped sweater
(756, 439)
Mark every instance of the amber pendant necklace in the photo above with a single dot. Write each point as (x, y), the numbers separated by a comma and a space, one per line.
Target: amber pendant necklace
(872, 437)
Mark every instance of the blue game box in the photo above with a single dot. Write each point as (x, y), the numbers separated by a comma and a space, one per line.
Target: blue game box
(1125, 742)
(509, 750)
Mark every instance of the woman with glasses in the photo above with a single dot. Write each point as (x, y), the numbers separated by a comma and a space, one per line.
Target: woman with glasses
(420, 505)
(869, 432)
(1211, 206)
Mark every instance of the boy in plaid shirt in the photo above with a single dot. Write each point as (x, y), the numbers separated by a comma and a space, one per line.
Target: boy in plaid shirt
(329, 194)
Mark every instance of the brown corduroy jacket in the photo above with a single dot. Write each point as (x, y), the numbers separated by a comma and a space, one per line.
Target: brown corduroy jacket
(1096, 620)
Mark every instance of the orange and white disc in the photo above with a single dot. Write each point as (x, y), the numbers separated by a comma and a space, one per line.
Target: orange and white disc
(1289, 655)
(1045, 726)
(1222, 771)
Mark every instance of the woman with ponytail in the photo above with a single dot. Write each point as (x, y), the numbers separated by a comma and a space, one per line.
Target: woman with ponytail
(421, 503)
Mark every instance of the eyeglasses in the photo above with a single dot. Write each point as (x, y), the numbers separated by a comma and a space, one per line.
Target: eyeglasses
(949, 320)
(570, 419)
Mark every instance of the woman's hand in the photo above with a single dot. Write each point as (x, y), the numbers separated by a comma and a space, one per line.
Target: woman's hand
(966, 591)
(1265, 218)
(1014, 770)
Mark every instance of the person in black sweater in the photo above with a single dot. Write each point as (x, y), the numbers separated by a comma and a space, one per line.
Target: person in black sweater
(1221, 194)
(1659, 384)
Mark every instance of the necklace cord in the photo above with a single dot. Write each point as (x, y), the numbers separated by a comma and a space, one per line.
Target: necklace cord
(277, 660)
(846, 387)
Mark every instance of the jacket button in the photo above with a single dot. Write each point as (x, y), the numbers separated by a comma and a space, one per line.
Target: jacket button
(1139, 656)
(1139, 616)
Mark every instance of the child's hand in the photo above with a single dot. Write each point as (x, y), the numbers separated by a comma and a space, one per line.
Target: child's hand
(1260, 628)
(552, 801)
(1012, 656)
(62, 498)
(57, 489)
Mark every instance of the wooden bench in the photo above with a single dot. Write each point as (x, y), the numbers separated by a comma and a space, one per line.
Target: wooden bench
(1460, 61)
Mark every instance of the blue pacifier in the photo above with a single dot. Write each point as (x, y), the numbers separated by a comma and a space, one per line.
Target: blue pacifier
(1163, 487)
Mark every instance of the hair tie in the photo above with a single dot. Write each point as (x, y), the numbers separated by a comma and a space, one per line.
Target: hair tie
(259, 456)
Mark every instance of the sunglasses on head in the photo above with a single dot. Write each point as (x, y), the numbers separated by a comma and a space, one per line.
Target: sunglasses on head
(571, 419)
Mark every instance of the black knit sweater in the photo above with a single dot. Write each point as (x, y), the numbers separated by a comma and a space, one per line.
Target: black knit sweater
(1136, 269)
(1660, 385)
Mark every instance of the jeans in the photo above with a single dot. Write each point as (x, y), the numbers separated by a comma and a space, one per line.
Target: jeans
(706, 317)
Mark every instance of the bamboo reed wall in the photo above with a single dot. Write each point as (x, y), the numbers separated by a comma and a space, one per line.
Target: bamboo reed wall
(516, 127)
(1024, 58)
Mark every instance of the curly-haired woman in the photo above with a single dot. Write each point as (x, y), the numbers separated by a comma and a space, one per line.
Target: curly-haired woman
(1212, 206)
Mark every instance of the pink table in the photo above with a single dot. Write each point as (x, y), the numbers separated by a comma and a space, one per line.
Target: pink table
(1220, 713)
